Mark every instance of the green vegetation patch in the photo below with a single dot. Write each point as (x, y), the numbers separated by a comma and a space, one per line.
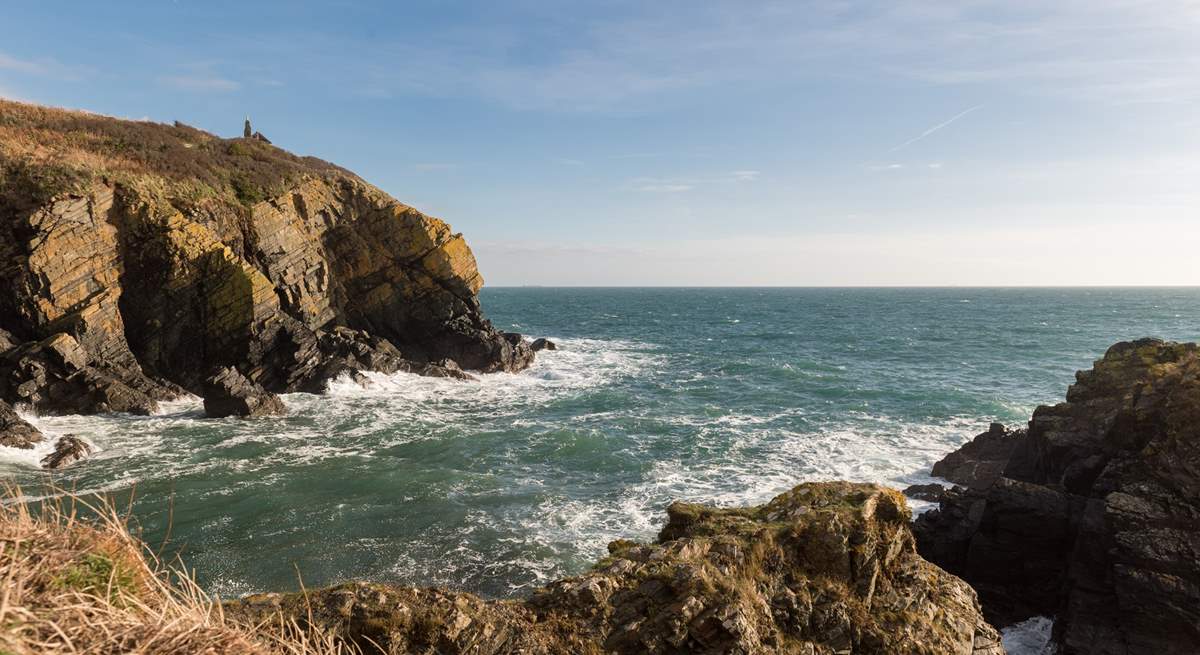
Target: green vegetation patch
(99, 575)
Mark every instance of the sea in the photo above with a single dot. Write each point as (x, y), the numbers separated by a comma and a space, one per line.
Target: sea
(726, 396)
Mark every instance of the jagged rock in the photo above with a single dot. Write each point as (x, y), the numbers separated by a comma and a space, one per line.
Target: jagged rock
(824, 568)
(927, 492)
(7, 342)
(541, 343)
(57, 374)
(447, 368)
(188, 253)
(15, 432)
(229, 393)
(980, 461)
(1096, 518)
(67, 450)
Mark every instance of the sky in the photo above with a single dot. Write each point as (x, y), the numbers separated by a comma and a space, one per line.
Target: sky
(696, 143)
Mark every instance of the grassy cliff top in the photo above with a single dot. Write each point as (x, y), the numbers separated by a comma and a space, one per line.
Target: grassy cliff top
(46, 151)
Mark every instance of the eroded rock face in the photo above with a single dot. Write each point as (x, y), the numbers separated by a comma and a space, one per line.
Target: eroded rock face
(116, 294)
(229, 393)
(15, 432)
(1096, 518)
(825, 568)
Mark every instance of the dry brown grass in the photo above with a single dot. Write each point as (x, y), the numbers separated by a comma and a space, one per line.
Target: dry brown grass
(45, 151)
(87, 586)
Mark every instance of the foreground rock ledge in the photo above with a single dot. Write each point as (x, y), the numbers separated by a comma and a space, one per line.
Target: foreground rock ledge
(823, 568)
(1095, 518)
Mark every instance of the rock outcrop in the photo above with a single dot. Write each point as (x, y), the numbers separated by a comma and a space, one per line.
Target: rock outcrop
(1096, 517)
(229, 393)
(980, 461)
(824, 568)
(15, 432)
(67, 450)
(137, 257)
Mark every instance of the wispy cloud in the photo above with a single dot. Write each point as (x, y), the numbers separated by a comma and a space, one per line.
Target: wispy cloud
(567, 161)
(932, 130)
(41, 67)
(653, 54)
(745, 176)
(30, 67)
(665, 187)
(429, 167)
(200, 83)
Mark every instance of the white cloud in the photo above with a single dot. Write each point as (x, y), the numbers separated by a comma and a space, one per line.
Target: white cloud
(745, 176)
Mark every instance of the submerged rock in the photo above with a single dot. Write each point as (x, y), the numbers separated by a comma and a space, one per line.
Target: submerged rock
(67, 450)
(928, 492)
(823, 568)
(229, 393)
(1096, 517)
(540, 344)
(15, 432)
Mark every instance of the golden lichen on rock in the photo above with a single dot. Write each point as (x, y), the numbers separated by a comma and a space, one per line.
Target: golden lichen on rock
(168, 253)
(823, 568)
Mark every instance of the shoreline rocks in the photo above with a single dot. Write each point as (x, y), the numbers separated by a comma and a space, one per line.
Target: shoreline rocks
(15, 432)
(67, 450)
(823, 568)
(1095, 517)
(229, 393)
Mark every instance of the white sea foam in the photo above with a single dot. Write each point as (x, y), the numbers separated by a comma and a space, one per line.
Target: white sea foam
(1030, 637)
(704, 453)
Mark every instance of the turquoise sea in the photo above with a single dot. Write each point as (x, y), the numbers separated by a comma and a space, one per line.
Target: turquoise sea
(727, 396)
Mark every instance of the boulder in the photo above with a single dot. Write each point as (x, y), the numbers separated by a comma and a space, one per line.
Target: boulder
(823, 568)
(15, 432)
(229, 393)
(67, 450)
(541, 344)
(928, 492)
(1096, 517)
(980, 461)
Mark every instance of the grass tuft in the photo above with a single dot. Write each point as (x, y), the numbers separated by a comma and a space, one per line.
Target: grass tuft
(74, 585)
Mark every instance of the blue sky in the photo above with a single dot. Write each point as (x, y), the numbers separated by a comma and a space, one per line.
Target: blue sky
(687, 143)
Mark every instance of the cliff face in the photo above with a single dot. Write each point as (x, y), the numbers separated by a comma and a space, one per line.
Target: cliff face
(136, 259)
(1096, 516)
(825, 568)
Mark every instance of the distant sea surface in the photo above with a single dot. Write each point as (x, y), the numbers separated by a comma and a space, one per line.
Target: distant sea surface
(726, 396)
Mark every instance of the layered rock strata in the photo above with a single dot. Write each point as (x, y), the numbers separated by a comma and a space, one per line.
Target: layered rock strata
(824, 568)
(1095, 518)
(136, 259)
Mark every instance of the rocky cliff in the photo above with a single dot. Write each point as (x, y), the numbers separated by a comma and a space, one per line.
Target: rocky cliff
(1094, 517)
(824, 568)
(138, 260)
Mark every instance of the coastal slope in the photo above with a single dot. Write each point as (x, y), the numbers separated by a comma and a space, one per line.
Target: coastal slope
(139, 260)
